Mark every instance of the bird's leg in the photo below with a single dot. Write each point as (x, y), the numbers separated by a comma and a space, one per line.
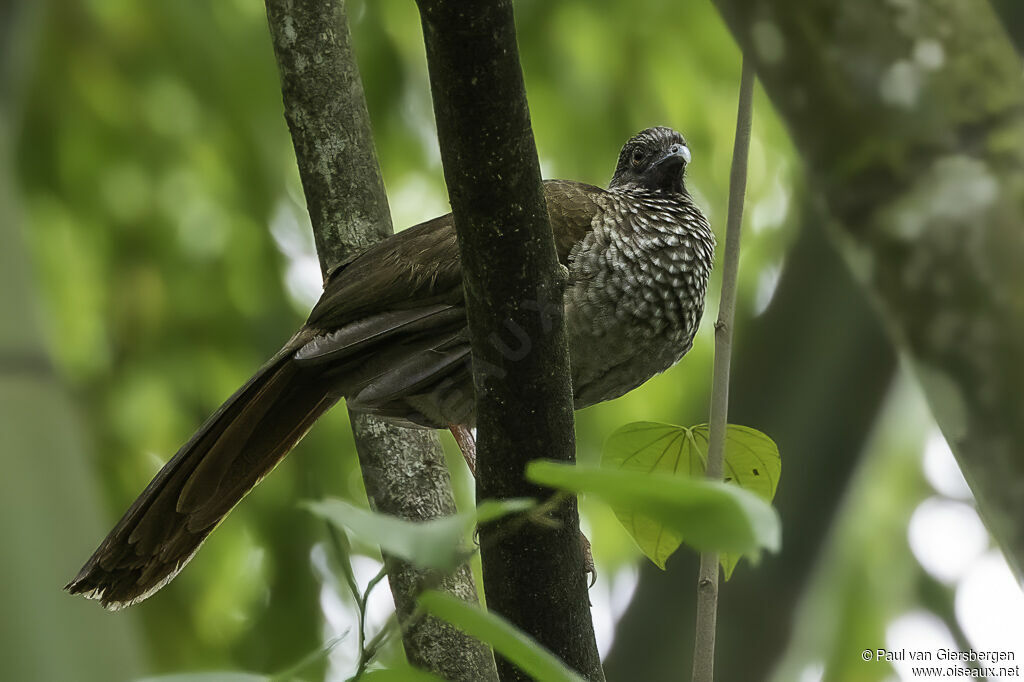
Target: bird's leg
(588, 559)
(467, 445)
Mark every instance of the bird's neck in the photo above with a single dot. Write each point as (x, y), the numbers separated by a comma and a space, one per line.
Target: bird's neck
(640, 192)
(662, 211)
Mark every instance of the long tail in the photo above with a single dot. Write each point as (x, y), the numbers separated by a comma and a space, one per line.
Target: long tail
(239, 445)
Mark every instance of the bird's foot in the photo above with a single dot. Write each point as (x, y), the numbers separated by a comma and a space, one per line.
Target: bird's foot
(588, 559)
(467, 444)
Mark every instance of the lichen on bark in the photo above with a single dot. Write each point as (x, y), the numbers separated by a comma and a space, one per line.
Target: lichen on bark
(910, 118)
(404, 470)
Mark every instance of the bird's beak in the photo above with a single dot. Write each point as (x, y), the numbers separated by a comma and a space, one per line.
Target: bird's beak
(676, 153)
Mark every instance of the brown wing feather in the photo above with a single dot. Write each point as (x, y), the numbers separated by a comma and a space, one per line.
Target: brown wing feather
(193, 492)
(571, 207)
(420, 266)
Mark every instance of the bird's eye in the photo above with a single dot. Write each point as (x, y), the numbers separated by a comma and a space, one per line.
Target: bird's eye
(638, 157)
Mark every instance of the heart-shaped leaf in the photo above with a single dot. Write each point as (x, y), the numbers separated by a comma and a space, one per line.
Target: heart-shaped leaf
(751, 461)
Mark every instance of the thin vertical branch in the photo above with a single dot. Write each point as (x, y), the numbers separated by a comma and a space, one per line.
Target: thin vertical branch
(707, 582)
(404, 470)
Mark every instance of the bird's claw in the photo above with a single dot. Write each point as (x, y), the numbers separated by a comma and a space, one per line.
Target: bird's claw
(588, 560)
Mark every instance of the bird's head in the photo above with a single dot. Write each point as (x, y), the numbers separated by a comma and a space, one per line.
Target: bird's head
(653, 159)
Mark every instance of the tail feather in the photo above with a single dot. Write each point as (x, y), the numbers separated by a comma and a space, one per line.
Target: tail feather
(239, 445)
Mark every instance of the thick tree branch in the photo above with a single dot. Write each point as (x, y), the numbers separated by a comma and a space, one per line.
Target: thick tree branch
(533, 575)
(404, 470)
(926, 180)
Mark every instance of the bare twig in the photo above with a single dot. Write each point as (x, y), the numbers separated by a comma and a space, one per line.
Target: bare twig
(338, 542)
(707, 582)
(368, 651)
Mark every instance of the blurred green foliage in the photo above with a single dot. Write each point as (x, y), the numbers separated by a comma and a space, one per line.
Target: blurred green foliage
(166, 228)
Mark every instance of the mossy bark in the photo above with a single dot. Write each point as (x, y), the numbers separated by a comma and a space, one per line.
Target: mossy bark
(910, 118)
(404, 470)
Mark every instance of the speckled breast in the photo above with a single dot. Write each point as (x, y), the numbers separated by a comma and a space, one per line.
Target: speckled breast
(636, 294)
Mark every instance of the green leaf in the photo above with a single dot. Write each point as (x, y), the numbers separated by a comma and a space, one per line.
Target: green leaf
(507, 640)
(492, 510)
(405, 673)
(208, 677)
(711, 515)
(435, 544)
(319, 654)
(288, 675)
(751, 461)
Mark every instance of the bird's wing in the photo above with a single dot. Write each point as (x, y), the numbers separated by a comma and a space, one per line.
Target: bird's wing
(416, 267)
(420, 266)
(572, 207)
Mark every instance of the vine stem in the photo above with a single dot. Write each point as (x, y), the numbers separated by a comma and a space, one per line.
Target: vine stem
(707, 581)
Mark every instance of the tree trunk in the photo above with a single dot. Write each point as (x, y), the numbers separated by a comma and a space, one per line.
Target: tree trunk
(404, 470)
(533, 575)
(910, 118)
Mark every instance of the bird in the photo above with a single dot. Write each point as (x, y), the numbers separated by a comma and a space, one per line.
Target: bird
(389, 336)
